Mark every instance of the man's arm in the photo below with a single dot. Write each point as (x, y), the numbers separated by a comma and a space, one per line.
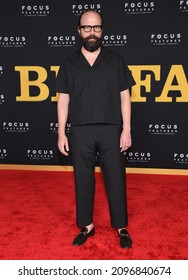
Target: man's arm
(125, 139)
(62, 113)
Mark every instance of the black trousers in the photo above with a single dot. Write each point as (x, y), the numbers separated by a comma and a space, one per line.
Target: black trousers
(85, 141)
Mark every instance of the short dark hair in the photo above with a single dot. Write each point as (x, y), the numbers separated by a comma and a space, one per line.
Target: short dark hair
(80, 17)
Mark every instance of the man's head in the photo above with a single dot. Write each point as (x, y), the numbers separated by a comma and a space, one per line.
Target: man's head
(90, 30)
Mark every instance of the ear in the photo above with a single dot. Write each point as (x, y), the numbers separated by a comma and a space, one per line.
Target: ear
(78, 30)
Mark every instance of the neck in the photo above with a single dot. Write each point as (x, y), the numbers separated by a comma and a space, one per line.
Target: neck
(90, 56)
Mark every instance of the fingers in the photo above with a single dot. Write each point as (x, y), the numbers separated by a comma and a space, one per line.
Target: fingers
(124, 145)
(65, 151)
(64, 147)
(124, 148)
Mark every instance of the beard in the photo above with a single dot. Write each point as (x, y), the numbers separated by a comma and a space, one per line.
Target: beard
(91, 45)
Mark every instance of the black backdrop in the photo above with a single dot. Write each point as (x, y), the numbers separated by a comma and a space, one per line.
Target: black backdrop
(151, 36)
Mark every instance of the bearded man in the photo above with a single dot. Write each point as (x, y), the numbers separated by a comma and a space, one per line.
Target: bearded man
(93, 92)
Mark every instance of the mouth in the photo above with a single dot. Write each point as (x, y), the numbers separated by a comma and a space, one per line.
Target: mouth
(92, 37)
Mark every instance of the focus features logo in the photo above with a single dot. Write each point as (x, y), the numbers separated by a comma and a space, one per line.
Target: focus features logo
(137, 156)
(163, 129)
(78, 9)
(61, 41)
(16, 126)
(12, 41)
(2, 99)
(166, 39)
(184, 5)
(180, 158)
(40, 154)
(1, 70)
(67, 128)
(145, 7)
(54, 127)
(3, 153)
(35, 10)
(114, 40)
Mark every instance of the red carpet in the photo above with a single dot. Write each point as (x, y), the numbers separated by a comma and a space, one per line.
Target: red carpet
(37, 218)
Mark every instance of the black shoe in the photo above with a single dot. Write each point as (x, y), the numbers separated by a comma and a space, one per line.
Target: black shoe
(125, 239)
(82, 236)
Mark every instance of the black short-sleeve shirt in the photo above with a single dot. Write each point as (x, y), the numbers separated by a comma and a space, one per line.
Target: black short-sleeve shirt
(94, 90)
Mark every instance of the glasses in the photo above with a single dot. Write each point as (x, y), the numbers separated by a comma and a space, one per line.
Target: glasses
(87, 28)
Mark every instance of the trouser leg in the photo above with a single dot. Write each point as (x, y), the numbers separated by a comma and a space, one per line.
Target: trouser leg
(83, 157)
(113, 169)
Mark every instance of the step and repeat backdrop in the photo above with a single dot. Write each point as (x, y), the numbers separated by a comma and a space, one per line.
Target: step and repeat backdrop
(35, 36)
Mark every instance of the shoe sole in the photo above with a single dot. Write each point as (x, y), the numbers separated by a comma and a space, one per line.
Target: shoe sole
(126, 247)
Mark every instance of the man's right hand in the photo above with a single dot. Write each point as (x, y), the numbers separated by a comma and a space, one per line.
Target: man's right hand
(63, 145)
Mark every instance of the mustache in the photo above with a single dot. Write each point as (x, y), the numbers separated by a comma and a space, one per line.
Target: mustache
(92, 37)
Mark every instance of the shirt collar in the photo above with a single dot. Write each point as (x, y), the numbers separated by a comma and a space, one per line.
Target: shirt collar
(98, 60)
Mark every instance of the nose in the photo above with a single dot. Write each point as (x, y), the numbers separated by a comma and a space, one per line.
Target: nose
(92, 31)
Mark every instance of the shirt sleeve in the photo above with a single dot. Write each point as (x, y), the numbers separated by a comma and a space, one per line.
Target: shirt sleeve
(61, 84)
(126, 79)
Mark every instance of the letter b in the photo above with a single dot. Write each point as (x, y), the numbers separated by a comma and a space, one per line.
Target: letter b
(25, 83)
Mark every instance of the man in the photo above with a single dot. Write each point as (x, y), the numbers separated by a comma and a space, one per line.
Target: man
(93, 88)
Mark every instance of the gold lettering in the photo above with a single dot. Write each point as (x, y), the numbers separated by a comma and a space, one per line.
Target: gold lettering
(177, 72)
(136, 72)
(25, 83)
(55, 69)
(143, 75)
